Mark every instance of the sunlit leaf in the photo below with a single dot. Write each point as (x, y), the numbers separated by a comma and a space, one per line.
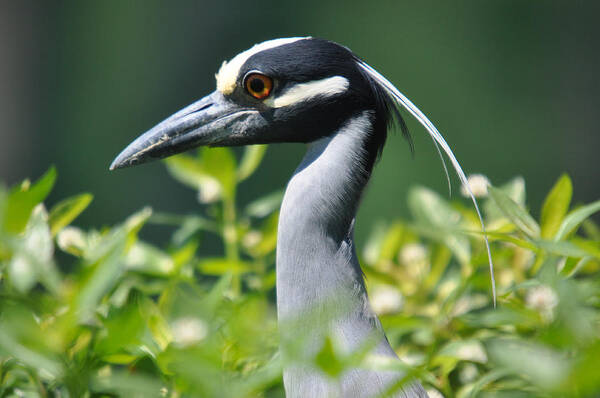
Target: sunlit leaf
(465, 350)
(391, 242)
(542, 365)
(262, 242)
(186, 169)
(515, 213)
(562, 248)
(21, 201)
(221, 266)
(372, 247)
(431, 210)
(191, 226)
(123, 327)
(72, 240)
(146, 258)
(103, 277)
(327, 360)
(126, 384)
(67, 210)
(33, 258)
(253, 155)
(514, 189)
(473, 390)
(37, 360)
(220, 164)
(156, 322)
(264, 206)
(556, 206)
(574, 218)
(107, 263)
(584, 373)
(192, 172)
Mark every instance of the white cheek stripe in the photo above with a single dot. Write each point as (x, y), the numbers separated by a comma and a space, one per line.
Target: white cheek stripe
(304, 91)
(228, 74)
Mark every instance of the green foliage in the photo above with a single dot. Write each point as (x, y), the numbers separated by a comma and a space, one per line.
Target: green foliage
(117, 316)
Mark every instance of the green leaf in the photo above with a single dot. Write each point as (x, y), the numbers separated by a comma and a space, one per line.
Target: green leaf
(431, 210)
(101, 280)
(472, 390)
(147, 259)
(72, 240)
(515, 213)
(190, 226)
(21, 201)
(121, 327)
(540, 364)
(372, 247)
(161, 333)
(574, 218)
(213, 172)
(465, 350)
(221, 266)
(253, 155)
(562, 248)
(32, 260)
(266, 239)
(220, 164)
(327, 360)
(67, 210)
(264, 206)
(186, 169)
(127, 384)
(107, 263)
(391, 242)
(556, 206)
(515, 189)
(501, 316)
(33, 358)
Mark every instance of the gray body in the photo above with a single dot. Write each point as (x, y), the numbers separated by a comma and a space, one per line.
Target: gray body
(318, 271)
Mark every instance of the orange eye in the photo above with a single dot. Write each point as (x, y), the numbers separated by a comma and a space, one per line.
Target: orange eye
(259, 86)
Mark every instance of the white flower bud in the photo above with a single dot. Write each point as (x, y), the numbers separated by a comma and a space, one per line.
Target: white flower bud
(468, 373)
(386, 299)
(412, 254)
(251, 239)
(433, 393)
(188, 331)
(209, 190)
(472, 351)
(478, 183)
(543, 299)
(71, 239)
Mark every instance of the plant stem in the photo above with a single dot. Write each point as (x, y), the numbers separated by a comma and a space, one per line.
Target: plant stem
(231, 240)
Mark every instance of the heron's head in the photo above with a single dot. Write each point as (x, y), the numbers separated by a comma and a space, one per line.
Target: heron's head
(286, 90)
(283, 90)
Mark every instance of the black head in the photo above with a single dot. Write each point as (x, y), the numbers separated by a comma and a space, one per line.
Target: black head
(286, 90)
(283, 90)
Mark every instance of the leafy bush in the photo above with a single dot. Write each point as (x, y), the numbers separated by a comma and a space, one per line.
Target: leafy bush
(126, 318)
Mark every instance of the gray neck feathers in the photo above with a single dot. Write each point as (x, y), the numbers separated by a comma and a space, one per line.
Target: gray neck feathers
(315, 253)
(320, 287)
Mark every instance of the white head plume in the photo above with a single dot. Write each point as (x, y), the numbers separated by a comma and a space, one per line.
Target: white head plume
(439, 141)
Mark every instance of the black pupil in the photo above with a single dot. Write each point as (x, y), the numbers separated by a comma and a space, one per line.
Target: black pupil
(257, 85)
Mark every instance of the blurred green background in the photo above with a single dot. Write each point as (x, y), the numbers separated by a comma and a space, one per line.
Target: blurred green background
(513, 86)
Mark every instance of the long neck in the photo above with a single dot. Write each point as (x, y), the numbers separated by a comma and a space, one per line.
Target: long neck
(317, 268)
(320, 287)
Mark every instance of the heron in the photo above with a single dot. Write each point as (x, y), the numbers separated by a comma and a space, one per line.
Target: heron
(313, 91)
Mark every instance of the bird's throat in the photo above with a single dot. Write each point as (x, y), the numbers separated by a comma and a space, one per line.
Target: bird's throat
(320, 287)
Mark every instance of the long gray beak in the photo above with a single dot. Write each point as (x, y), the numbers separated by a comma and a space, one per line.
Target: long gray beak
(205, 122)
